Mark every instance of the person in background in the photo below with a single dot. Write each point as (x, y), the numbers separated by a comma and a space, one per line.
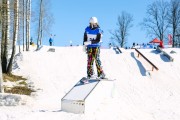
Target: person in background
(31, 41)
(92, 41)
(133, 46)
(50, 41)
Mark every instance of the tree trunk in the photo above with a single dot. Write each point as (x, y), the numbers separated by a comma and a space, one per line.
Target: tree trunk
(29, 25)
(15, 34)
(5, 34)
(1, 21)
(28, 5)
(40, 26)
(23, 16)
(1, 80)
(28, 11)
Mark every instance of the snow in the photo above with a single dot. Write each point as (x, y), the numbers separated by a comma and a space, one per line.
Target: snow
(134, 95)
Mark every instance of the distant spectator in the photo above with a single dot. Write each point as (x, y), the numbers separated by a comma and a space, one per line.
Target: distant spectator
(31, 41)
(110, 45)
(50, 41)
(133, 46)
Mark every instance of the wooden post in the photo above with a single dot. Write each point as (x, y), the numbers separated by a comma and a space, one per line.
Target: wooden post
(138, 55)
(152, 68)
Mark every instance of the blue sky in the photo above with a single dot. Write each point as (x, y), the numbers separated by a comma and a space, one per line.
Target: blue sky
(71, 17)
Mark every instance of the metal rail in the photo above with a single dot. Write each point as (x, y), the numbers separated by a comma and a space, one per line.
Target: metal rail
(139, 53)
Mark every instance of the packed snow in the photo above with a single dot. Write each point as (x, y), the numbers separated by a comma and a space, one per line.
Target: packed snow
(137, 94)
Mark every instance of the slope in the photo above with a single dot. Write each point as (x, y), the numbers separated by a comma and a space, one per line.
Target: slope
(133, 96)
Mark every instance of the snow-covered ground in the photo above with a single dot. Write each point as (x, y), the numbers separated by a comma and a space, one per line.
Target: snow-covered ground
(134, 95)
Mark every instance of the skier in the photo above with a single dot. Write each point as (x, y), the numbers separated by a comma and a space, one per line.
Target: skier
(92, 40)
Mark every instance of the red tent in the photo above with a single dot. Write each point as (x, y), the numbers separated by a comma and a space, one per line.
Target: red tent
(158, 41)
(155, 41)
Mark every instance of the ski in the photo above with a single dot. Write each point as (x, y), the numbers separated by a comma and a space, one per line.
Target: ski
(106, 79)
(85, 80)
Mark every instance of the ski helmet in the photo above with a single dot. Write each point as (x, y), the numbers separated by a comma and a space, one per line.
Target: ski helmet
(93, 20)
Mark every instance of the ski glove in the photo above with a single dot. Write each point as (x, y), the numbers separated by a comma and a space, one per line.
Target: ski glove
(87, 43)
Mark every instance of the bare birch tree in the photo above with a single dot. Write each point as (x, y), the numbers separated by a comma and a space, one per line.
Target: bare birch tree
(23, 23)
(156, 23)
(15, 35)
(44, 21)
(28, 16)
(174, 19)
(124, 24)
(39, 42)
(5, 34)
(1, 79)
(0, 15)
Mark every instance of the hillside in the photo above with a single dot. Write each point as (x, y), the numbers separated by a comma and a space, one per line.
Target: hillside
(133, 96)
